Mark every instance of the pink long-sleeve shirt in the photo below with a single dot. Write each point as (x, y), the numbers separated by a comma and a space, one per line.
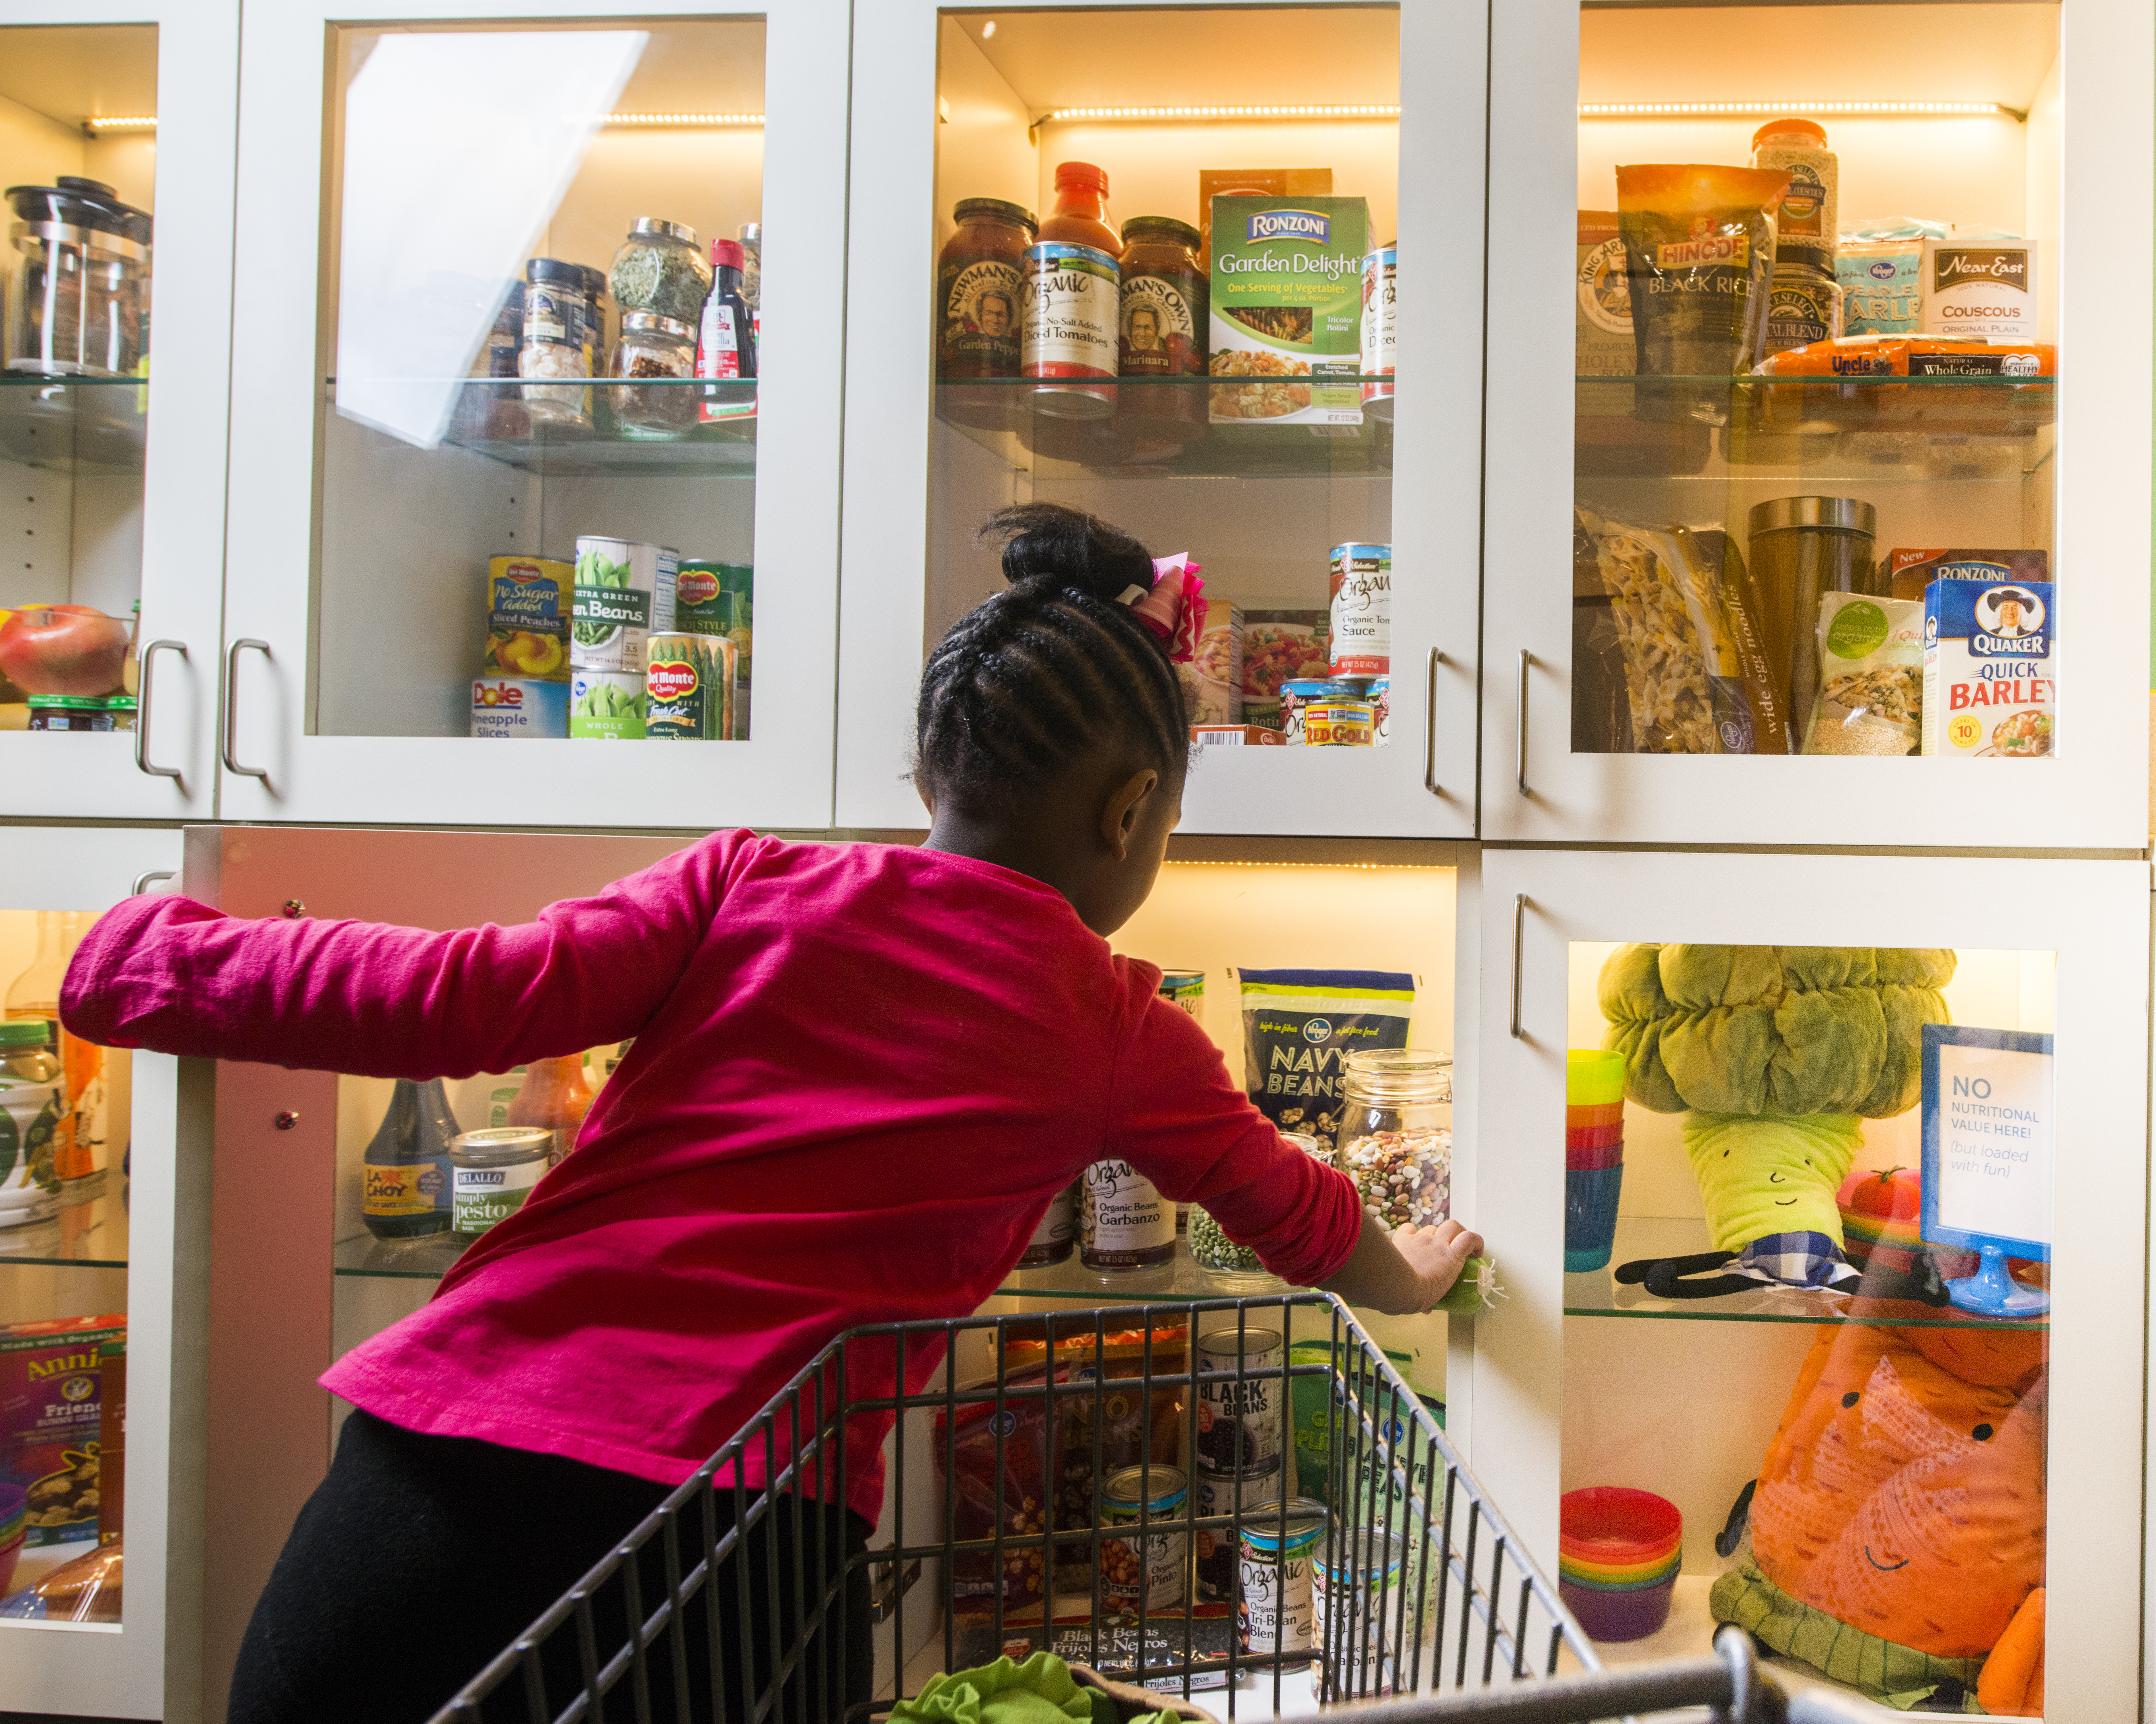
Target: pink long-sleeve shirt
(860, 1074)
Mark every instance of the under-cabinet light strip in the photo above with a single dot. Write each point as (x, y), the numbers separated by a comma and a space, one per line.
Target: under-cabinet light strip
(1678, 111)
(684, 119)
(96, 123)
(1362, 110)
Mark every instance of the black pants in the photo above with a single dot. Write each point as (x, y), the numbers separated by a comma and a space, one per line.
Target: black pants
(420, 1558)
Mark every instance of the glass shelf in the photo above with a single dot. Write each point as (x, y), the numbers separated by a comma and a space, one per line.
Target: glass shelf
(84, 425)
(1156, 427)
(427, 1257)
(88, 1231)
(1596, 1293)
(490, 419)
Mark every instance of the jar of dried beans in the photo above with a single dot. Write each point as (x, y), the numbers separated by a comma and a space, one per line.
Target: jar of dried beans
(1395, 1138)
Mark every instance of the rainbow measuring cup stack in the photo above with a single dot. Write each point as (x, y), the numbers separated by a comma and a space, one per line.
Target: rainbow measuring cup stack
(1593, 1155)
(1618, 1553)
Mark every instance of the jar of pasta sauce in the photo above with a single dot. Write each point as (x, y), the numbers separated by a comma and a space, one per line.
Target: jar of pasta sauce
(978, 280)
(1068, 314)
(1163, 319)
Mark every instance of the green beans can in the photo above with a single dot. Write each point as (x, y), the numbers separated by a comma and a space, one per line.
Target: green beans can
(606, 706)
(623, 591)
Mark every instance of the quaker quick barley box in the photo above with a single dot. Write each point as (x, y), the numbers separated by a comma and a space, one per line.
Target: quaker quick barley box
(1990, 681)
(1287, 310)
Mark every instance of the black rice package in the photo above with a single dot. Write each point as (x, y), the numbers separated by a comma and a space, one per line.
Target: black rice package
(1299, 1027)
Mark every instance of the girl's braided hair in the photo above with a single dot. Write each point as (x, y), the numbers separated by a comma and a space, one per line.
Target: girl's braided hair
(1049, 672)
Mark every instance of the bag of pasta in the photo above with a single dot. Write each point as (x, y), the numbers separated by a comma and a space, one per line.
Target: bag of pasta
(1680, 621)
(1699, 245)
(1870, 676)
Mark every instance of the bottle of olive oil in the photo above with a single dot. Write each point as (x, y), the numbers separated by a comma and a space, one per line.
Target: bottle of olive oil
(404, 1186)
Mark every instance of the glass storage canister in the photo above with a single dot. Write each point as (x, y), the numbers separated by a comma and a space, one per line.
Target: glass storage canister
(1395, 1139)
(78, 288)
(1800, 548)
(655, 359)
(661, 269)
(980, 276)
(1229, 1266)
(558, 335)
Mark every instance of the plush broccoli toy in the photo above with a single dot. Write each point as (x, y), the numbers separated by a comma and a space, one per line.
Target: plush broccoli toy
(1773, 1054)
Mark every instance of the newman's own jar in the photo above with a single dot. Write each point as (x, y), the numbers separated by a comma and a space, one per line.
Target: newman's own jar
(1396, 1134)
(1161, 332)
(979, 279)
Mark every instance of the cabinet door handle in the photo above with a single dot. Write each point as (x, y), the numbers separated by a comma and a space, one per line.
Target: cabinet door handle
(142, 880)
(147, 661)
(1527, 659)
(1429, 725)
(1519, 928)
(231, 702)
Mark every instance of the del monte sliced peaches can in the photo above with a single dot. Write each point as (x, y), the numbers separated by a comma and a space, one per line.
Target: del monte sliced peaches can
(528, 619)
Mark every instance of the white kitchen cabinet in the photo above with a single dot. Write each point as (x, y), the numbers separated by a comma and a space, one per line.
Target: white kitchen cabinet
(366, 504)
(1578, 1379)
(2033, 125)
(111, 485)
(952, 104)
(112, 1247)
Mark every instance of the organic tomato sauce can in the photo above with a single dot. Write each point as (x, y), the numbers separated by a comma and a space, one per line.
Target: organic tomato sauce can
(1362, 638)
(1069, 315)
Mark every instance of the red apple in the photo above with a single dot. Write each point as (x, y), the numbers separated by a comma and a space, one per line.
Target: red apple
(1891, 1193)
(62, 650)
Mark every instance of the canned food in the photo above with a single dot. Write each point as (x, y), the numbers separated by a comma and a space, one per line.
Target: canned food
(1151, 1579)
(1123, 1221)
(519, 707)
(1296, 697)
(1381, 709)
(1057, 1235)
(1216, 1567)
(492, 1171)
(1069, 317)
(1238, 1420)
(624, 592)
(1339, 722)
(1378, 268)
(1186, 988)
(1279, 1607)
(74, 712)
(688, 688)
(606, 706)
(1355, 1590)
(1362, 582)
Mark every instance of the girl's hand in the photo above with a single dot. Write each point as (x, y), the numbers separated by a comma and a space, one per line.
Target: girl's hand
(1436, 1255)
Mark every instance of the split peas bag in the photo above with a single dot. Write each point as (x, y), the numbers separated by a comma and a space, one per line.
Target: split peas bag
(1299, 1026)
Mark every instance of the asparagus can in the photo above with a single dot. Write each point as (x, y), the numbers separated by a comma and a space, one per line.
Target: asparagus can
(688, 688)
(606, 706)
(1238, 1422)
(623, 591)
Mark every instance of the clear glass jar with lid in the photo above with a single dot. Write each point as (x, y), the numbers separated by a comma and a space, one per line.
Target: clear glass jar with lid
(653, 353)
(27, 1054)
(661, 269)
(1395, 1139)
(1237, 1269)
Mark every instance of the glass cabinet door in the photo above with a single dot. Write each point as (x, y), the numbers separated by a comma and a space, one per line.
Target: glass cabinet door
(88, 1183)
(1826, 1261)
(573, 332)
(1244, 185)
(115, 153)
(1829, 354)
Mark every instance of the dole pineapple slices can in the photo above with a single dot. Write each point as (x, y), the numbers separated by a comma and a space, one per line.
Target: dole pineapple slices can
(688, 688)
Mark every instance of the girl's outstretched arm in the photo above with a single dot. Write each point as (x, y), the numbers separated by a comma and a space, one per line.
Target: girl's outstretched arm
(1403, 1274)
(169, 973)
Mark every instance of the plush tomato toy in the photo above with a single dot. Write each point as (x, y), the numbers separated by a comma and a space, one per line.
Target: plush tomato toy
(1897, 1194)
(62, 650)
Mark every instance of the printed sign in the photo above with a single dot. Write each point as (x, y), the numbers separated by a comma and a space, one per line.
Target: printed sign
(1987, 1139)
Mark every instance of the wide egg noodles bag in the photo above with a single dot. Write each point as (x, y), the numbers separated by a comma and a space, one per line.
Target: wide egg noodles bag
(1299, 1027)
(1699, 246)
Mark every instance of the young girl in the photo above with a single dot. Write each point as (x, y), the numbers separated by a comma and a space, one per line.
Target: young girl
(860, 1073)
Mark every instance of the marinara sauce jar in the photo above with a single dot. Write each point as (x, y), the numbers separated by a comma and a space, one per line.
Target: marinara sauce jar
(1161, 332)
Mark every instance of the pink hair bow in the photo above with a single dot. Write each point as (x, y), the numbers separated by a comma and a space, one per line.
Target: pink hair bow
(1175, 608)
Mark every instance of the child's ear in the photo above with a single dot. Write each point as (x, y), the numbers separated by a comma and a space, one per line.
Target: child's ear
(1119, 816)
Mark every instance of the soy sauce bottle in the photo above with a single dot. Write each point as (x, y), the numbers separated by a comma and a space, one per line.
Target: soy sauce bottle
(726, 341)
(404, 1184)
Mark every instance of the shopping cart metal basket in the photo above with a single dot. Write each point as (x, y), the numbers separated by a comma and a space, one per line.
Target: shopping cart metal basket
(1238, 1504)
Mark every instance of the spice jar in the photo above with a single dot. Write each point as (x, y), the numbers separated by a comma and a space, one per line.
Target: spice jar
(1395, 1138)
(660, 268)
(978, 277)
(1802, 547)
(657, 350)
(1164, 299)
(557, 342)
(492, 1171)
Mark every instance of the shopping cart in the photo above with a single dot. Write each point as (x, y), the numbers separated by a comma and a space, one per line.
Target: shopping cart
(1337, 1549)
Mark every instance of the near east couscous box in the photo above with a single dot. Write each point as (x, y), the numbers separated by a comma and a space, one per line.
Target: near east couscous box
(1287, 310)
